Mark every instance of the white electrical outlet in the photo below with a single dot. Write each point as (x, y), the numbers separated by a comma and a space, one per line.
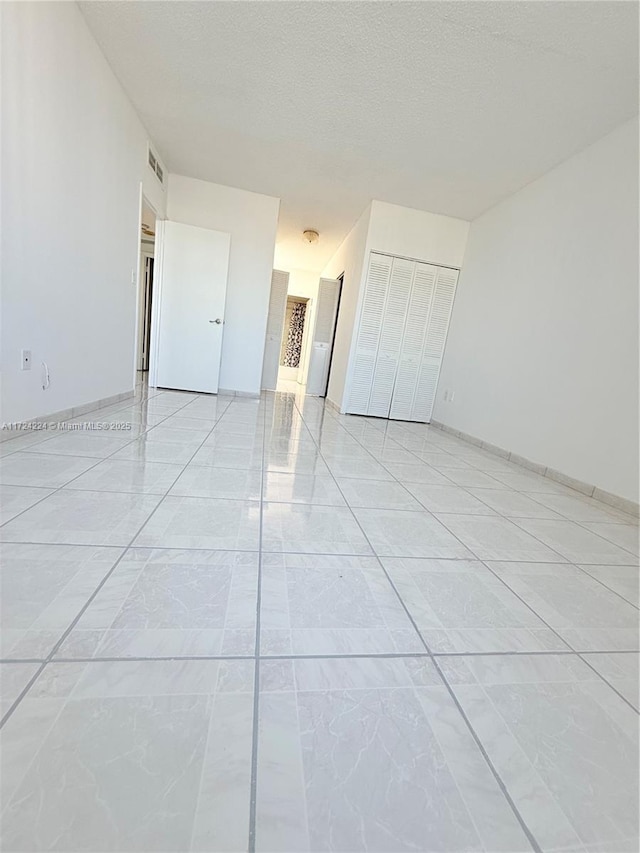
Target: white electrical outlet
(26, 359)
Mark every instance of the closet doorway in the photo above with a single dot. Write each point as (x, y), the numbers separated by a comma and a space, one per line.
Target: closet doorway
(294, 339)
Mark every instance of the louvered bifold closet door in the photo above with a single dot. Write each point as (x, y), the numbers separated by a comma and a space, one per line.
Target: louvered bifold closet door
(275, 325)
(393, 322)
(369, 329)
(435, 339)
(415, 331)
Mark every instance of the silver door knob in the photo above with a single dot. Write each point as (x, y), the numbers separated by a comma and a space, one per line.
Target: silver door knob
(217, 320)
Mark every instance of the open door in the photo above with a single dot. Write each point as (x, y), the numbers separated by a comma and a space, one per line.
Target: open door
(188, 308)
(275, 325)
(323, 335)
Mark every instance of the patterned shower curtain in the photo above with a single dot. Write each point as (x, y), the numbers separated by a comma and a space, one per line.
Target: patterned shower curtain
(294, 336)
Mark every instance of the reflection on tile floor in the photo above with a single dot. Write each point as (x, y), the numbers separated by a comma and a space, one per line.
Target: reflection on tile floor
(444, 645)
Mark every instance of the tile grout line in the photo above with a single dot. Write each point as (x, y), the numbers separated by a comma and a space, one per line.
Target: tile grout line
(583, 524)
(257, 656)
(579, 496)
(86, 471)
(255, 733)
(538, 616)
(514, 519)
(219, 658)
(582, 527)
(126, 404)
(565, 562)
(319, 656)
(529, 834)
(91, 598)
(494, 513)
(255, 550)
(10, 711)
(431, 512)
(305, 803)
(531, 838)
(543, 620)
(602, 583)
(501, 486)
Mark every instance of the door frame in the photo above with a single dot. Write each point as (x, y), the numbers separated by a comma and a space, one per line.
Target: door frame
(155, 304)
(137, 330)
(146, 256)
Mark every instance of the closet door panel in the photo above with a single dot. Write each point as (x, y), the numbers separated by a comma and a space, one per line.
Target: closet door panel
(369, 330)
(361, 380)
(393, 322)
(435, 340)
(385, 373)
(426, 389)
(413, 342)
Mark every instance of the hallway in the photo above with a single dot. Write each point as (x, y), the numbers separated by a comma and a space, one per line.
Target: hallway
(261, 625)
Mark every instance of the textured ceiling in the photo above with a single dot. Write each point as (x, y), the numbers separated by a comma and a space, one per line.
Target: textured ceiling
(443, 106)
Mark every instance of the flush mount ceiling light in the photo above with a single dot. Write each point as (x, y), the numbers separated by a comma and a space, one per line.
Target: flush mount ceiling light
(311, 236)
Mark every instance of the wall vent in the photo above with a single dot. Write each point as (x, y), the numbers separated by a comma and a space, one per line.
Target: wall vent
(156, 167)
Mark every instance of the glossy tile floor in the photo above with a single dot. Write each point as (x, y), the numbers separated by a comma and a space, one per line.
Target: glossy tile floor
(258, 625)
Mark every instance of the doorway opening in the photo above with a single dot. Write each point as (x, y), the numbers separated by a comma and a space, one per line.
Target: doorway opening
(293, 339)
(145, 287)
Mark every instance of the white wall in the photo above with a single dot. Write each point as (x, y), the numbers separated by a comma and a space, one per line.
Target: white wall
(349, 260)
(417, 234)
(252, 221)
(542, 354)
(393, 230)
(73, 156)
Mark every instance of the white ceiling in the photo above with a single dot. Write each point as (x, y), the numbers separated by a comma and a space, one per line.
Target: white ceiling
(442, 106)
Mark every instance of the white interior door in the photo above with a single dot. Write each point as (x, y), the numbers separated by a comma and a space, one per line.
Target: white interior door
(326, 315)
(190, 300)
(275, 326)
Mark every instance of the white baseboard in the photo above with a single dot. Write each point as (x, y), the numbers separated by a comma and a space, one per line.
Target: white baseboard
(228, 392)
(66, 414)
(587, 489)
